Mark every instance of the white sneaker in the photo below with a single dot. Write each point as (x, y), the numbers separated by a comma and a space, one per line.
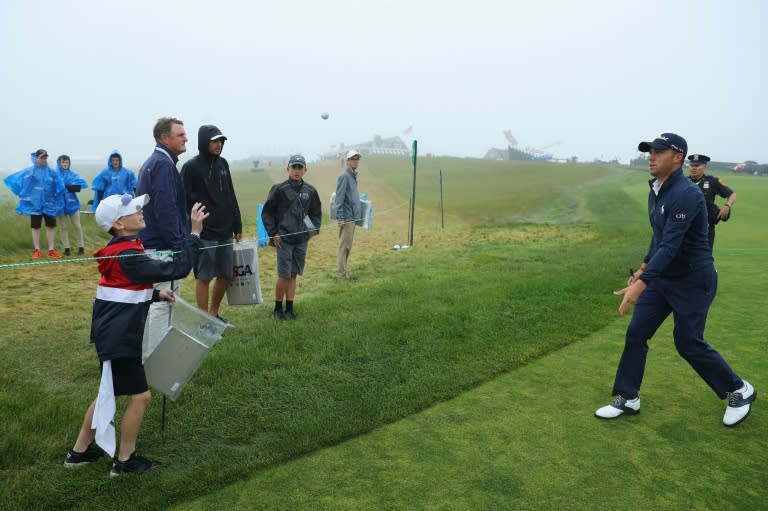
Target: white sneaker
(619, 406)
(739, 405)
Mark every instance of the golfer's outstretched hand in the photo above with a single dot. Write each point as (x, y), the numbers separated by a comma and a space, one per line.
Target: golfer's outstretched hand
(630, 293)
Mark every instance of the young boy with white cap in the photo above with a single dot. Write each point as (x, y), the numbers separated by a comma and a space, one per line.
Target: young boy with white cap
(119, 312)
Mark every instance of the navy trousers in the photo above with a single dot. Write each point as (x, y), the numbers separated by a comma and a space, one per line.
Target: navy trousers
(688, 298)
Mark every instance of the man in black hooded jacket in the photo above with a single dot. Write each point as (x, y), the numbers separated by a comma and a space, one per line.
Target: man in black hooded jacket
(207, 180)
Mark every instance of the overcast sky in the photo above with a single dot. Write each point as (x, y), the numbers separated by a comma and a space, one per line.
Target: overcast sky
(587, 78)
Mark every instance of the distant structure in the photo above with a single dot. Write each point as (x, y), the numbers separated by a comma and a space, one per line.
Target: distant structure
(392, 146)
(745, 167)
(510, 153)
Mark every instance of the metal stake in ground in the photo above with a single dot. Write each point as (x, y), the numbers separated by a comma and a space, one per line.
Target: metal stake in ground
(170, 322)
(413, 198)
(442, 215)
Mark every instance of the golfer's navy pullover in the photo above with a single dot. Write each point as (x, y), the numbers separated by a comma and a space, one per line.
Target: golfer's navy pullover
(678, 216)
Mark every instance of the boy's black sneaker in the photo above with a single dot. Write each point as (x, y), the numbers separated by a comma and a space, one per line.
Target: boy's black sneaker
(136, 464)
(81, 251)
(67, 252)
(79, 459)
(278, 314)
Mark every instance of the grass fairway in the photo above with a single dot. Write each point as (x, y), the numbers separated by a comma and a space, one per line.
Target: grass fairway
(527, 440)
(459, 374)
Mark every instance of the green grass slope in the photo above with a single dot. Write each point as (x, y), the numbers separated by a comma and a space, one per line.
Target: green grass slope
(527, 440)
(418, 327)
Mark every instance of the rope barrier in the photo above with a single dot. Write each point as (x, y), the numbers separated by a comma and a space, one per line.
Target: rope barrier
(162, 253)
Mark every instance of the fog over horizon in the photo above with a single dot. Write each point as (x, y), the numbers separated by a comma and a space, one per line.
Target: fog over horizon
(588, 79)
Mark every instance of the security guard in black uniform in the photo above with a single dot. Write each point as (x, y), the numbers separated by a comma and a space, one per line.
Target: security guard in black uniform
(711, 186)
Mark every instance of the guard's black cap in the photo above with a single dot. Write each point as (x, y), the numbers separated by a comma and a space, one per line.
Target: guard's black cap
(699, 159)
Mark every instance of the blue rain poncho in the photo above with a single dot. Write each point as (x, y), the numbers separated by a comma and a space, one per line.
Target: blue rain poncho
(113, 182)
(71, 181)
(40, 190)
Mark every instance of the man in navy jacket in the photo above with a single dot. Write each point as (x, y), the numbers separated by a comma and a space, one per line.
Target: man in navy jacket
(676, 277)
(166, 218)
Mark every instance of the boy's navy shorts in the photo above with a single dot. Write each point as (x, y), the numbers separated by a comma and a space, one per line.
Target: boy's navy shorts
(128, 378)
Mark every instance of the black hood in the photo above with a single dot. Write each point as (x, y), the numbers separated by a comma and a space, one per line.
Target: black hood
(205, 134)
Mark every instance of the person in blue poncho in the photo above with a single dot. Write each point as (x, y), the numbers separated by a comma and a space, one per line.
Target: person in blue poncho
(73, 183)
(41, 197)
(114, 179)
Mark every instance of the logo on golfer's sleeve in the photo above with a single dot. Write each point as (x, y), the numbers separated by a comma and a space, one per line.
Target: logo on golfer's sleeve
(681, 216)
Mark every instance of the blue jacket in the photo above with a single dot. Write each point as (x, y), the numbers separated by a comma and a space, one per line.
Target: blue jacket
(113, 182)
(40, 190)
(71, 181)
(680, 242)
(166, 214)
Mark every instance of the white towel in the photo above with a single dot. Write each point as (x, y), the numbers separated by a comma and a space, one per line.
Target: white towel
(104, 413)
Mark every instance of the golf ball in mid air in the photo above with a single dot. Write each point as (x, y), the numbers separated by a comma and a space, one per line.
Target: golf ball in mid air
(325, 115)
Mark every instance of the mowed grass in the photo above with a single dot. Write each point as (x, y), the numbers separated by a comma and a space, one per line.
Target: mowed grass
(527, 439)
(417, 327)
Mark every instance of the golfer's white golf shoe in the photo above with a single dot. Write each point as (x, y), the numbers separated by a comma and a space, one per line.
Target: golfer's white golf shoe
(619, 406)
(739, 404)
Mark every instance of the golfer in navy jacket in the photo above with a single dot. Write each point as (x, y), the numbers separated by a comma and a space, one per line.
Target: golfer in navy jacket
(676, 277)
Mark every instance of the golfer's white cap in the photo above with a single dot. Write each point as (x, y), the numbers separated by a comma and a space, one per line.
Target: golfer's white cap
(116, 206)
(352, 153)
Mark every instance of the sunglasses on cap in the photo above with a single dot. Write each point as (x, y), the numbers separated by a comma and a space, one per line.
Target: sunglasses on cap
(297, 166)
(356, 157)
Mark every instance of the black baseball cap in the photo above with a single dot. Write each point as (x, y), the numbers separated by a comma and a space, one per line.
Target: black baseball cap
(41, 152)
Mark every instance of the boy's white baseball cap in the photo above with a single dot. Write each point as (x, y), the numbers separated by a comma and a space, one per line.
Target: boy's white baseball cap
(116, 206)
